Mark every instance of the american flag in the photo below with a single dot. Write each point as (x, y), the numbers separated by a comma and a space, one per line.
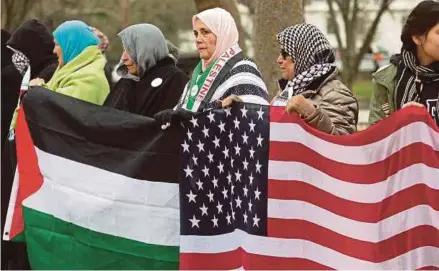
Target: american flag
(260, 189)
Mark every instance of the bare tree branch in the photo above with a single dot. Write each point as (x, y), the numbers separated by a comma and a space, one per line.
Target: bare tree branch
(351, 30)
(371, 32)
(333, 16)
(351, 13)
(355, 11)
(343, 7)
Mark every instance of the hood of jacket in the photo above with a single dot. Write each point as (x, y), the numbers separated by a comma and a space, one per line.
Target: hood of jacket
(6, 52)
(34, 40)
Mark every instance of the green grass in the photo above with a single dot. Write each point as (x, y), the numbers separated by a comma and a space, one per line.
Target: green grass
(363, 90)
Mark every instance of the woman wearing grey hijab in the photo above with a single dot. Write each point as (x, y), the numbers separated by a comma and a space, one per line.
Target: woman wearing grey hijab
(150, 82)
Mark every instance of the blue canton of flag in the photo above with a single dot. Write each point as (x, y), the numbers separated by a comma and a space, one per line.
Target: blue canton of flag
(223, 177)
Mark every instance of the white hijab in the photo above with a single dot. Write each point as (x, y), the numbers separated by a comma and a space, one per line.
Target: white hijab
(222, 24)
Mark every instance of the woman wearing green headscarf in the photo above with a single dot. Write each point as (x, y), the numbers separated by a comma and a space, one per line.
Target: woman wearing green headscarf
(80, 73)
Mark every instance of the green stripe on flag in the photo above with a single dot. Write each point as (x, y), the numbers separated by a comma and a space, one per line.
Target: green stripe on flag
(55, 244)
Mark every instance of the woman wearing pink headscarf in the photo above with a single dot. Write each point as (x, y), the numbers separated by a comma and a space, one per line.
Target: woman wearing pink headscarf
(223, 71)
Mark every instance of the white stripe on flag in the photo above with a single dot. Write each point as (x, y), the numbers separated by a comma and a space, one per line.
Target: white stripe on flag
(295, 248)
(369, 232)
(356, 155)
(370, 193)
(107, 202)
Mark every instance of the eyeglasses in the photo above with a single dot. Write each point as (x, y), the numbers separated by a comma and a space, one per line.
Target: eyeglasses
(284, 53)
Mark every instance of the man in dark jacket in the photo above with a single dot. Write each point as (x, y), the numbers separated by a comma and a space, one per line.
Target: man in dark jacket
(150, 80)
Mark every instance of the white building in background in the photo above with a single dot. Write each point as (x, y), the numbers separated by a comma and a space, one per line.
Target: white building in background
(389, 29)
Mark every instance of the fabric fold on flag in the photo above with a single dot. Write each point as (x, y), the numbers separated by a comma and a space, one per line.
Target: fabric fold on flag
(364, 201)
(97, 186)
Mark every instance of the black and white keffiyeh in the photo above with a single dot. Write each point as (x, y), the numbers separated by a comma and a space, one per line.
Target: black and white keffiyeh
(409, 77)
(21, 62)
(314, 57)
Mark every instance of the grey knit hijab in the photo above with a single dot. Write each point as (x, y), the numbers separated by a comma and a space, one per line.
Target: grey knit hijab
(146, 45)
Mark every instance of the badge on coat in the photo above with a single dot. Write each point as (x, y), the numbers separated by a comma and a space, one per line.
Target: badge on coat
(156, 82)
(194, 90)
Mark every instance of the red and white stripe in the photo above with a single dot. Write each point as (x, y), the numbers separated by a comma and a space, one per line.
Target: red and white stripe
(363, 201)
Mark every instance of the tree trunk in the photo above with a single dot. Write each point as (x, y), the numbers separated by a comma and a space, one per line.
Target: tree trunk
(125, 7)
(348, 72)
(351, 56)
(14, 12)
(230, 6)
(7, 11)
(269, 20)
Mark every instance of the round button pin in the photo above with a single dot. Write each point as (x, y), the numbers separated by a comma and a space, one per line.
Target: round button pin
(156, 82)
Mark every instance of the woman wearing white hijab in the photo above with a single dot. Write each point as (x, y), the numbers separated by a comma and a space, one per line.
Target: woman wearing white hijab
(223, 71)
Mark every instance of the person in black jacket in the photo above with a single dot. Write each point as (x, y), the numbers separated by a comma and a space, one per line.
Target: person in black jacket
(10, 86)
(150, 80)
(33, 44)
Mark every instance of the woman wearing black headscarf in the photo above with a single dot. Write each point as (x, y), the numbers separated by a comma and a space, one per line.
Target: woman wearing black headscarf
(30, 45)
(10, 86)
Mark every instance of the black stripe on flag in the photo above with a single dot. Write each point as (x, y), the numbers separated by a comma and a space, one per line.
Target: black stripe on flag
(113, 140)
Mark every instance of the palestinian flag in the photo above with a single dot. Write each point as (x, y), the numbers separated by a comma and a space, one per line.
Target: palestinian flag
(96, 187)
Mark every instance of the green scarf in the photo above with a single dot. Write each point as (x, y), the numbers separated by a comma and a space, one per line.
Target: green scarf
(192, 93)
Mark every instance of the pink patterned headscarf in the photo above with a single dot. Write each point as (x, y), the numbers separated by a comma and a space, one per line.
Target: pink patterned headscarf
(222, 24)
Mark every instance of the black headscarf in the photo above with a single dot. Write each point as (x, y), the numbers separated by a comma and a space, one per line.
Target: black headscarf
(6, 53)
(10, 86)
(36, 43)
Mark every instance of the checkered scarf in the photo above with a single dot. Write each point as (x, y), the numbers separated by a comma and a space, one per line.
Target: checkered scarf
(21, 62)
(314, 57)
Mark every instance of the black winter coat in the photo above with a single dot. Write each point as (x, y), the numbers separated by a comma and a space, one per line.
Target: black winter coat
(159, 89)
(36, 43)
(10, 86)
(13, 254)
